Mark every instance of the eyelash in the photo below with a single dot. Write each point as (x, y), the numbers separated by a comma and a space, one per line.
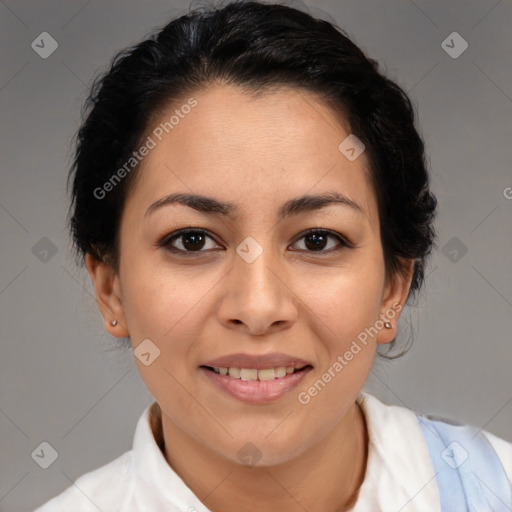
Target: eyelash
(166, 240)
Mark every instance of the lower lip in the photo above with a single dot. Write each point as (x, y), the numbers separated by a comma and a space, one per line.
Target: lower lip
(256, 391)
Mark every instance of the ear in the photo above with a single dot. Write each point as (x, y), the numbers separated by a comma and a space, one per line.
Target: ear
(394, 298)
(108, 296)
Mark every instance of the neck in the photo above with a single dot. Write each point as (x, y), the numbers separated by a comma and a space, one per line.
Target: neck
(326, 477)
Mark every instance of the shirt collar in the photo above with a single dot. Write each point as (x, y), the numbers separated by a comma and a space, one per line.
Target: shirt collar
(399, 474)
(156, 484)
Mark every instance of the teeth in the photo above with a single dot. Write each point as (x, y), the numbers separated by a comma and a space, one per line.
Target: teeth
(248, 374)
(254, 374)
(280, 371)
(234, 372)
(267, 374)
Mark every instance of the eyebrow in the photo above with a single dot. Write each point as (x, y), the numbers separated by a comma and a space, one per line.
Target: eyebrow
(295, 206)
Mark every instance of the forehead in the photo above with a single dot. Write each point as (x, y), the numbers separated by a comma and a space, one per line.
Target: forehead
(257, 148)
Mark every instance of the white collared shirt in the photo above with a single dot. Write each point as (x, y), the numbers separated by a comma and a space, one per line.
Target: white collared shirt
(399, 474)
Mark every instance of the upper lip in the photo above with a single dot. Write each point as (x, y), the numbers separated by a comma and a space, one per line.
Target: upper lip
(258, 362)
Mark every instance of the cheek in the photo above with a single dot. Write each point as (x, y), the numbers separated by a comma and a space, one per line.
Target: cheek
(345, 309)
(163, 310)
(167, 309)
(346, 301)
(156, 300)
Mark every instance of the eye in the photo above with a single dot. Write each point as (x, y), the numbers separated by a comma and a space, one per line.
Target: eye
(194, 240)
(316, 240)
(190, 240)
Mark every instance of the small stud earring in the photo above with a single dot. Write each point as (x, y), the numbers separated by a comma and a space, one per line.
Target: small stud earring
(387, 325)
(113, 323)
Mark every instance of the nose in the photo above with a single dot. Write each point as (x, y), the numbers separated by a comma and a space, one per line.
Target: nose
(257, 300)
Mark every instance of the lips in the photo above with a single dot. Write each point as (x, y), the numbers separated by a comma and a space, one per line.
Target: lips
(258, 362)
(256, 379)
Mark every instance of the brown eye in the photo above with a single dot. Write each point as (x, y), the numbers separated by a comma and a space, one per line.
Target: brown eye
(187, 241)
(195, 240)
(317, 240)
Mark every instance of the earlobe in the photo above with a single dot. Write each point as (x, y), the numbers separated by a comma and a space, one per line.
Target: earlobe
(106, 285)
(393, 301)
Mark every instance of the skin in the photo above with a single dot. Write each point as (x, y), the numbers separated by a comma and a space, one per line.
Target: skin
(257, 152)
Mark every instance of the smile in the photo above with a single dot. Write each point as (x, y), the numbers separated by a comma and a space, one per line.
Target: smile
(254, 374)
(256, 386)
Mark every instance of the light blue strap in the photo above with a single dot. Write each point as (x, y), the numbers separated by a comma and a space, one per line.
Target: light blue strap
(469, 473)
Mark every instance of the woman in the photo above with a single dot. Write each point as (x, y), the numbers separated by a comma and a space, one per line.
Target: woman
(251, 200)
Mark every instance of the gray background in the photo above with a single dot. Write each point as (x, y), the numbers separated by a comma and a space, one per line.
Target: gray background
(62, 381)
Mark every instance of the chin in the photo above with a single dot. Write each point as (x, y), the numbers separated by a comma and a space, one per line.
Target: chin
(260, 451)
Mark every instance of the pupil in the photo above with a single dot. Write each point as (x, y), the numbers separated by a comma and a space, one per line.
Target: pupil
(317, 238)
(193, 236)
(198, 241)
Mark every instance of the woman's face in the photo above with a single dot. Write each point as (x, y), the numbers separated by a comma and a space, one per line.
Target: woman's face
(255, 291)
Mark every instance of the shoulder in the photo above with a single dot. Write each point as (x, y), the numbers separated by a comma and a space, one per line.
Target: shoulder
(413, 447)
(461, 441)
(504, 451)
(466, 460)
(390, 417)
(104, 488)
